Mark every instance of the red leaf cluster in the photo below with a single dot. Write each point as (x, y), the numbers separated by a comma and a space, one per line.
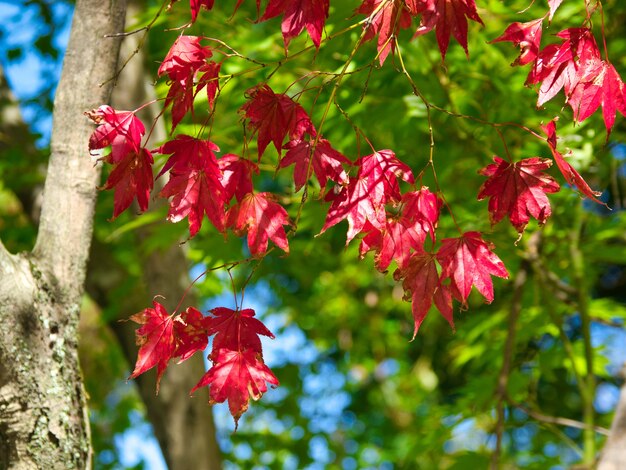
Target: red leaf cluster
(386, 18)
(131, 176)
(185, 60)
(574, 66)
(297, 16)
(238, 370)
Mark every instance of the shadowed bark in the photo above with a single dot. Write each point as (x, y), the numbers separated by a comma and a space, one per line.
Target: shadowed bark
(43, 419)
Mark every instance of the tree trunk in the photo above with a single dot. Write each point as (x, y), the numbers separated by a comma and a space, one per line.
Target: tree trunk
(613, 456)
(43, 419)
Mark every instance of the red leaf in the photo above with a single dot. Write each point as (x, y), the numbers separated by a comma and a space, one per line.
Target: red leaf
(519, 190)
(358, 205)
(196, 190)
(121, 125)
(602, 85)
(187, 152)
(190, 329)
(236, 376)
(262, 219)
(568, 171)
(327, 162)
(155, 340)
(394, 242)
(422, 207)
(236, 329)
(525, 35)
(130, 178)
(195, 7)
(297, 15)
(181, 96)
(210, 80)
(274, 117)
(449, 17)
(421, 283)
(238, 371)
(381, 170)
(236, 176)
(184, 58)
(385, 18)
(469, 260)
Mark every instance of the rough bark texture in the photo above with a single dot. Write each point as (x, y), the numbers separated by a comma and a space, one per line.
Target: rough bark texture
(43, 420)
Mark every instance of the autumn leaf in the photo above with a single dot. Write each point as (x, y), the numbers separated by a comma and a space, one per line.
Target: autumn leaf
(421, 283)
(469, 261)
(554, 4)
(236, 329)
(396, 241)
(209, 80)
(568, 171)
(262, 219)
(381, 170)
(130, 178)
(449, 18)
(180, 96)
(184, 58)
(385, 19)
(275, 116)
(196, 190)
(155, 339)
(298, 15)
(121, 125)
(236, 176)
(236, 376)
(518, 190)
(326, 162)
(422, 207)
(525, 35)
(190, 332)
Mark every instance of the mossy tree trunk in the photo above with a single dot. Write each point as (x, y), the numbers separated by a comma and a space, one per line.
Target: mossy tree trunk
(43, 418)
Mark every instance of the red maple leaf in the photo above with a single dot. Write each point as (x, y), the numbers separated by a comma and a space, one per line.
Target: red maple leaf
(121, 125)
(422, 207)
(519, 190)
(236, 329)
(298, 15)
(131, 176)
(469, 260)
(196, 190)
(327, 162)
(185, 57)
(210, 80)
(449, 17)
(385, 19)
(601, 85)
(356, 204)
(187, 151)
(195, 7)
(238, 370)
(236, 376)
(181, 96)
(190, 331)
(381, 170)
(420, 281)
(568, 171)
(525, 35)
(236, 175)
(274, 116)
(155, 339)
(397, 241)
(262, 219)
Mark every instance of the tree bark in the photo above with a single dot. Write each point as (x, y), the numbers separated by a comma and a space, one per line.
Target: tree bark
(43, 419)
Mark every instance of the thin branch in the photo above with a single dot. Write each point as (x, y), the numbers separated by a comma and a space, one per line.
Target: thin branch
(571, 423)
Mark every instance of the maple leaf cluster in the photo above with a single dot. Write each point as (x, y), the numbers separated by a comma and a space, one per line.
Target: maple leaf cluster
(397, 226)
(238, 372)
